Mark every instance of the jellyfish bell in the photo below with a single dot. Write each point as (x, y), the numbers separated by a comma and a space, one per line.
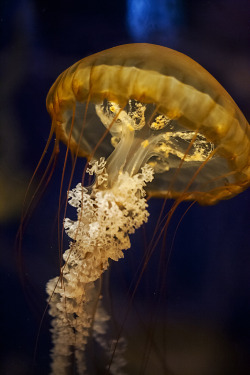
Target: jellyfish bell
(141, 103)
(150, 121)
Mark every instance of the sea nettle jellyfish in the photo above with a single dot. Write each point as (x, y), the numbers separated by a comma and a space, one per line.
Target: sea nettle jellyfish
(151, 123)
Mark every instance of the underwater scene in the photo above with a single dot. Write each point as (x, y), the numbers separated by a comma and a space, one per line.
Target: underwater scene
(124, 175)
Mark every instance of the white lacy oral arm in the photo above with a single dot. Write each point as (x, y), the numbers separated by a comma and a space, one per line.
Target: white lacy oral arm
(106, 217)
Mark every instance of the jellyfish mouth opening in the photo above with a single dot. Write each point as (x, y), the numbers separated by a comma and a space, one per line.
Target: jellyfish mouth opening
(132, 133)
(140, 134)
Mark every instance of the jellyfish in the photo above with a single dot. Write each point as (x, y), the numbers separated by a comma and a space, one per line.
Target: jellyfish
(151, 122)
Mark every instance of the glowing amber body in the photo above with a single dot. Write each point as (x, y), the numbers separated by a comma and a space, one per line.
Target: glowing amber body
(180, 90)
